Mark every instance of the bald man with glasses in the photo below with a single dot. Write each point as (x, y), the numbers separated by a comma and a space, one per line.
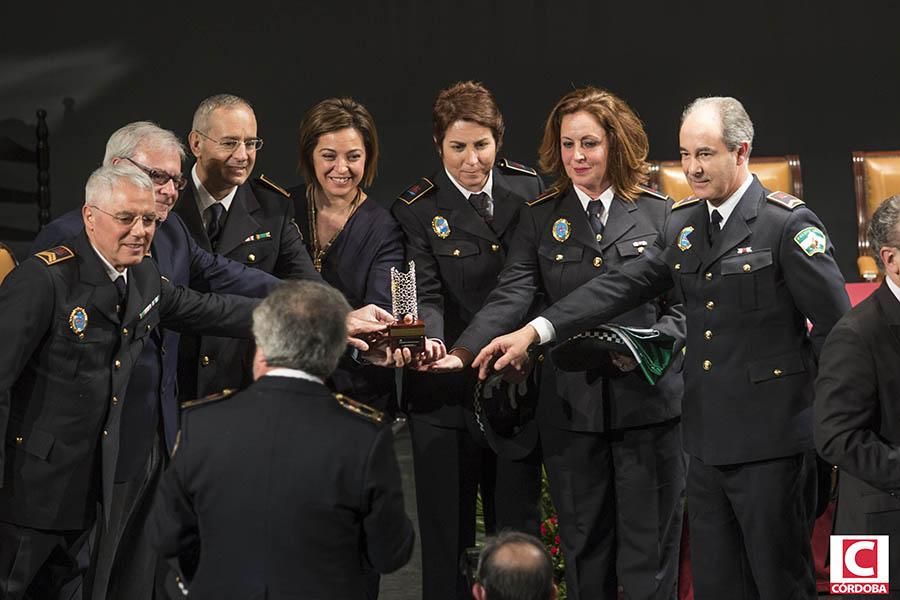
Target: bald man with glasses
(248, 221)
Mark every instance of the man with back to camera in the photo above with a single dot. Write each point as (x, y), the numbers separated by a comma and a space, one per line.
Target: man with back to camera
(285, 490)
(77, 318)
(858, 400)
(251, 222)
(129, 570)
(752, 267)
(514, 566)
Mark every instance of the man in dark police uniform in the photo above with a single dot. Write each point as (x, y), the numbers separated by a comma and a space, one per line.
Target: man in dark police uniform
(285, 490)
(251, 222)
(751, 267)
(76, 318)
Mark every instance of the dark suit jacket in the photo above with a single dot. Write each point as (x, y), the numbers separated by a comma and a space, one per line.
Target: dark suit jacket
(208, 364)
(858, 418)
(750, 361)
(287, 493)
(358, 263)
(540, 264)
(61, 392)
(152, 389)
(456, 273)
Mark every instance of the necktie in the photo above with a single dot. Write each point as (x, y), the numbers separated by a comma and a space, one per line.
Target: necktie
(595, 216)
(122, 290)
(715, 228)
(482, 204)
(214, 222)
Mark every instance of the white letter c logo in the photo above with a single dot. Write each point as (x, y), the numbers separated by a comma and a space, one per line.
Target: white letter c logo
(850, 558)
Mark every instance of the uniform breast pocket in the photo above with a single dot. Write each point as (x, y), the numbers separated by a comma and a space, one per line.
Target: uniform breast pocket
(459, 261)
(635, 246)
(684, 268)
(255, 253)
(750, 279)
(556, 260)
(80, 356)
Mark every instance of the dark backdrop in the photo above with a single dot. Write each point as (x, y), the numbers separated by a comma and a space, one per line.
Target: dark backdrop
(818, 79)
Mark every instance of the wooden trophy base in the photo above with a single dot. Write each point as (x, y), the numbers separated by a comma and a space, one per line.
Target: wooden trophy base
(407, 335)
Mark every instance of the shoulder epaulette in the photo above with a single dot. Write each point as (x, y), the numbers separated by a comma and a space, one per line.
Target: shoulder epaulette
(207, 399)
(358, 408)
(55, 255)
(416, 190)
(689, 201)
(784, 199)
(263, 180)
(514, 166)
(651, 192)
(551, 193)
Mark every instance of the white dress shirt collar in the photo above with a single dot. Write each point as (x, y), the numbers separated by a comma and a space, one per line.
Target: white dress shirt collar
(895, 289)
(726, 208)
(205, 199)
(605, 198)
(293, 374)
(487, 189)
(111, 271)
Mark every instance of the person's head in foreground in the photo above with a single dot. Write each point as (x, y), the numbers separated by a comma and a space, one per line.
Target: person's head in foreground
(514, 566)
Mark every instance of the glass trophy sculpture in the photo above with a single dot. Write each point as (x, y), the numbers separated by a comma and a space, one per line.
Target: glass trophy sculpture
(405, 334)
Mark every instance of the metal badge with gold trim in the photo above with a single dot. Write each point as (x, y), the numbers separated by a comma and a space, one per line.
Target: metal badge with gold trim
(440, 226)
(562, 229)
(78, 320)
(683, 242)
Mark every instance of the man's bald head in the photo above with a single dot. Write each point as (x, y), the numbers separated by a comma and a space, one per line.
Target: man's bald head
(514, 566)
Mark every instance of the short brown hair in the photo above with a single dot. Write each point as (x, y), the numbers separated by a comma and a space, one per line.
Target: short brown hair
(628, 145)
(466, 101)
(335, 114)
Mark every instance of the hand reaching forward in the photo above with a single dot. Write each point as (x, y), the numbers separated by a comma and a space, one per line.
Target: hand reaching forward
(511, 348)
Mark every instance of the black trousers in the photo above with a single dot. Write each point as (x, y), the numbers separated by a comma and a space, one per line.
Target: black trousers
(619, 495)
(40, 564)
(750, 528)
(125, 564)
(450, 467)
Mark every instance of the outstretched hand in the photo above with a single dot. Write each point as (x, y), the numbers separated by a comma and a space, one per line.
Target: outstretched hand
(369, 319)
(511, 350)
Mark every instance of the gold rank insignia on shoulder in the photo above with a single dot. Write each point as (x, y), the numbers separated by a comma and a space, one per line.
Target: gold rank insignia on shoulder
(207, 399)
(551, 193)
(651, 192)
(55, 255)
(78, 320)
(416, 191)
(784, 199)
(689, 201)
(363, 410)
(440, 226)
(514, 166)
(272, 185)
(561, 229)
(259, 236)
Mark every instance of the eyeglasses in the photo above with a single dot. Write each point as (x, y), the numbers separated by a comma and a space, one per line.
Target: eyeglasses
(128, 220)
(252, 145)
(160, 177)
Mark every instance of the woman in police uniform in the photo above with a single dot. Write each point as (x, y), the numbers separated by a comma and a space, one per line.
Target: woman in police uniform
(610, 440)
(458, 224)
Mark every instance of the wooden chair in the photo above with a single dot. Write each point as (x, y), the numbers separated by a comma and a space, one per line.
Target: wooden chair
(7, 261)
(774, 172)
(39, 155)
(876, 177)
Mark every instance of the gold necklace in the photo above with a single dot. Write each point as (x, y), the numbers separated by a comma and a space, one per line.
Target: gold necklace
(319, 252)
